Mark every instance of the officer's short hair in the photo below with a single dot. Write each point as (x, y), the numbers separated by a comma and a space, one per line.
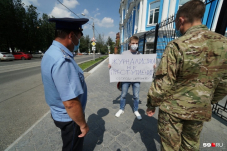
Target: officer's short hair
(133, 38)
(192, 10)
(62, 33)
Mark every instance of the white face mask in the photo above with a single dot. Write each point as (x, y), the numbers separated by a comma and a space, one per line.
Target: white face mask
(134, 47)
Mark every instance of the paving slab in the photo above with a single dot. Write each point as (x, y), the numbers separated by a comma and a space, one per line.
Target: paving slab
(109, 133)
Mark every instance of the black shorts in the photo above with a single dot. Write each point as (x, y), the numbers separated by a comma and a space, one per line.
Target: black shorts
(69, 133)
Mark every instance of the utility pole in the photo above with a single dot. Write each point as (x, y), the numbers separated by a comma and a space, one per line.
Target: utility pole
(93, 39)
(93, 27)
(108, 48)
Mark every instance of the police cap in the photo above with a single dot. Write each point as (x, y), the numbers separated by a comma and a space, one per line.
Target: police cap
(74, 24)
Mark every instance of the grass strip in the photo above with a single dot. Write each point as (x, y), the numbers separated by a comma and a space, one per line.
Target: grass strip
(90, 63)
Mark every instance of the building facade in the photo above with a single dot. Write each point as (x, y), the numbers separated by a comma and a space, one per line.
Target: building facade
(117, 40)
(137, 17)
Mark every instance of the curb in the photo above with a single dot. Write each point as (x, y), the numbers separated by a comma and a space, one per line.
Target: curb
(96, 67)
(92, 66)
(84, 61)
(88, 69)
(28, 130)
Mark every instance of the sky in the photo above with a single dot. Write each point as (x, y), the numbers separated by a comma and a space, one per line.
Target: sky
(105, 13)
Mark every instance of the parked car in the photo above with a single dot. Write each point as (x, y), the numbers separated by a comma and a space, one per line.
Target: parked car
(37, 55)
(22, 55)
(84, 53)
(6, 56)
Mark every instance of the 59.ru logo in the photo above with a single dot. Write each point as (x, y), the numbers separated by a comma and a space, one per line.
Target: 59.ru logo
(213, 145)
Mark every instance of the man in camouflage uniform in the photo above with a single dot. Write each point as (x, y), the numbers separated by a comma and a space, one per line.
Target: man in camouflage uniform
(192, 75)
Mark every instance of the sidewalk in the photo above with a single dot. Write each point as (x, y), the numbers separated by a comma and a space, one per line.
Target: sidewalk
(108, 133)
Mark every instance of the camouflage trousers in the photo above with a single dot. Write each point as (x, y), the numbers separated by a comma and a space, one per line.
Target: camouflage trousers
(177, 134)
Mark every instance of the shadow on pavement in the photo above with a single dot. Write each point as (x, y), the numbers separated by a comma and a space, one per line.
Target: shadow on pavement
(96, 129)
(148, 130)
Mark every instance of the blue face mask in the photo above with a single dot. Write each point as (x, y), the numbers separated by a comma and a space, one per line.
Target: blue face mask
(76, 47)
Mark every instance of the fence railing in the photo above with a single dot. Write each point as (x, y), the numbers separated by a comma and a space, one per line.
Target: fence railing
(159, 37)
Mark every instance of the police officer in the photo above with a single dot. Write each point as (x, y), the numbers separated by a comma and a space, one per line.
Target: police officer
(64, 84)
(192, 75)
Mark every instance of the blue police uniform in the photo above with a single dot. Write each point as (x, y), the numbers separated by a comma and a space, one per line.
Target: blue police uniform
(63, 80)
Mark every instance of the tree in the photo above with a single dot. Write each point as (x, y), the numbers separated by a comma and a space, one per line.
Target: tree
(111, 44)
(20, 28)
(88, 43)
(45, 32)
(84, 43)
(100, 45)
(31, 29)
(12, 13)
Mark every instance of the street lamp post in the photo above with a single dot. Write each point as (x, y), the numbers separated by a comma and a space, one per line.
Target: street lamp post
(108, 48)
(93, 39)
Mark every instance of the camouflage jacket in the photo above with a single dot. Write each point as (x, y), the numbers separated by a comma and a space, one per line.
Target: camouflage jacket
(192, 75)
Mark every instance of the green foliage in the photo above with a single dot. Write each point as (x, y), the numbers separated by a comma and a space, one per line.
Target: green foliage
(85, 44)
(100, 45)
(20, 28)
(90, 63)
(110, 43)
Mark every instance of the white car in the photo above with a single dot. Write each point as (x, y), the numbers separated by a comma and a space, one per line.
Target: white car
(6, 56)
(37, 55)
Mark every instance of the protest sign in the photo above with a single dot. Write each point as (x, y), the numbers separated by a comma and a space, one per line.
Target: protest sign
(132, 68)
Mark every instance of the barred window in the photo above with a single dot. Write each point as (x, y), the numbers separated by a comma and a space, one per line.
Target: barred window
(154, 12)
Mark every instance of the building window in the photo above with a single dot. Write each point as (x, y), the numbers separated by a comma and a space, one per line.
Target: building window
(149, 48)
(154, 12)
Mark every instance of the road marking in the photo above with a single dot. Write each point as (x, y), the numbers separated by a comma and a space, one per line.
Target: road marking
(25, 133)
(16, 67)
(36, 123)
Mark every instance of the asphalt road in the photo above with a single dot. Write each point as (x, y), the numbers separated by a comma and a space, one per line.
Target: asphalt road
(22, 100)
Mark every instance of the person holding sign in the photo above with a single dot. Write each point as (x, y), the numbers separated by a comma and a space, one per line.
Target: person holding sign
(192, 75)
(133, 43)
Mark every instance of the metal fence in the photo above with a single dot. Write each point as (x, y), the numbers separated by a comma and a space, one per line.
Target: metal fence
(155, 41)
(162, 34)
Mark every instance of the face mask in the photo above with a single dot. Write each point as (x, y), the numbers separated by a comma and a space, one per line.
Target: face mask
(76, 47)
(134, 47)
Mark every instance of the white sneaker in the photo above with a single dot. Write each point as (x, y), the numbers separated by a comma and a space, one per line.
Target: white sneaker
(119, 113)
(138, 116)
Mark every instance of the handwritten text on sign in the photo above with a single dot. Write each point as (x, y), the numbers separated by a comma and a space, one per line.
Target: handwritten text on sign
(131, 68)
